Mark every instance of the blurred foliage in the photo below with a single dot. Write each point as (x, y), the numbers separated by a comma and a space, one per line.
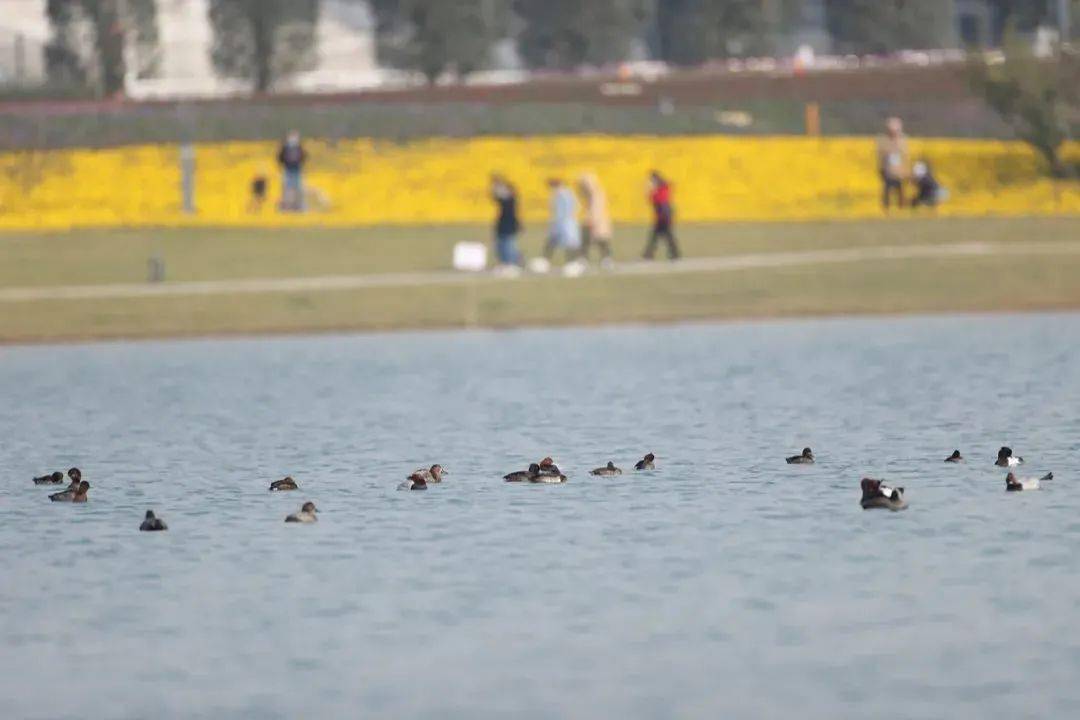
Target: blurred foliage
(435, 36)
(87, 43)
(263, 40)
(1038, 98)
(691, 32)
(566, 33)
(883, 26)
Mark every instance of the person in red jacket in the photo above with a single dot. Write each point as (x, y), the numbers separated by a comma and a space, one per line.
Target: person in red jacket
(660, 197)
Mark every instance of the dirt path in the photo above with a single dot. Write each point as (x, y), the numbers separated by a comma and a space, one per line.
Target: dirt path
(695, 265)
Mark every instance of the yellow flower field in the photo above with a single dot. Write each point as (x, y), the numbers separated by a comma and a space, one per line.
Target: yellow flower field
(445, 180)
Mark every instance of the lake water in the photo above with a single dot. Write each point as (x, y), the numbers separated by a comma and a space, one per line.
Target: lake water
(724, 584)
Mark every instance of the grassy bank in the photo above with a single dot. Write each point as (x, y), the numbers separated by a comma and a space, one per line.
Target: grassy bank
(1016, 281)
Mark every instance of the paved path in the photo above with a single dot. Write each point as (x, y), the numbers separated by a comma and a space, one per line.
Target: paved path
(694, 265)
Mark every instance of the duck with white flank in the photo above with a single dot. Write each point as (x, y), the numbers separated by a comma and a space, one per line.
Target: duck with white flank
(876, 494)
(1006, 458)
(306, 514)
(286, 483)
(416, 481)
(955, 457)
(608, 470)
(1015, 484)
(523, 475)
(550, 475)
(804, 458)
(152, 523)
(548, 467)
(646, 463)
(433, 474)
(75, 494)
(54, 479)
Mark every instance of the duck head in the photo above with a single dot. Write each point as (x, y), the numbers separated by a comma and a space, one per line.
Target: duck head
(437, 472)
(58, 477)
(870, 487)
(650, 457)
(546, 462)
(808, 453)
(534, 469)
(75, 474)
(150, 515)
(1004, 453)
(610, 465)
(955, 455)
(309, 507)
(1011, 482)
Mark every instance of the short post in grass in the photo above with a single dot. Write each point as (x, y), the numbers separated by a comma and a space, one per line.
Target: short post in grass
(813, 119)
(187, 178)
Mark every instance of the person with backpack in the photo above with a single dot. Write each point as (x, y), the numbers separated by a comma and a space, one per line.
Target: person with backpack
(507, 223)
(664, 217)
(292, 157)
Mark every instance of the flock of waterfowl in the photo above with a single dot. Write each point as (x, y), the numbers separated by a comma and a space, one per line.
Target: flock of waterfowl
(875, 493)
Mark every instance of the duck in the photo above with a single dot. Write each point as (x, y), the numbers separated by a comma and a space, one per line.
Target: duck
(73, 486)
(549, 475)
(548, 467)
(72, 494)
(416, 481)
(286, 483)
(876, 494)
(805, 458)
(606, 471)
(523, 475)
(152, 523)
(955, 457)
(1015, 484)
(54, 479)
(645, 463)
(1006, 458)
(306, 514)
(433, 474)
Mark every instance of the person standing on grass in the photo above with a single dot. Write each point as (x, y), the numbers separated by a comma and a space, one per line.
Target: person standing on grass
(292, 157)
(892, 157)
(596, 227)
(664, 217)
(563, 231)
(507, 224)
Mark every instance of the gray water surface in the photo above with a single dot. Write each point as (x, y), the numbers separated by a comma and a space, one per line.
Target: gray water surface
(724, 584)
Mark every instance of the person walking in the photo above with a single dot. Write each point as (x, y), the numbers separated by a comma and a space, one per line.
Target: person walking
(292, 157)
(507, 223)
(664, 217)
(563, 232)
(892, 157)
(596, 227)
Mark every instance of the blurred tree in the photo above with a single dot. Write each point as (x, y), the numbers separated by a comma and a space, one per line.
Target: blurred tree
(567, 33)
(693, 31)
(1040, 99)
(87, 41)
(263, 40)
(62, 61)
(434, 36)
(145, 41)
(883, 26)
(1020, 15)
